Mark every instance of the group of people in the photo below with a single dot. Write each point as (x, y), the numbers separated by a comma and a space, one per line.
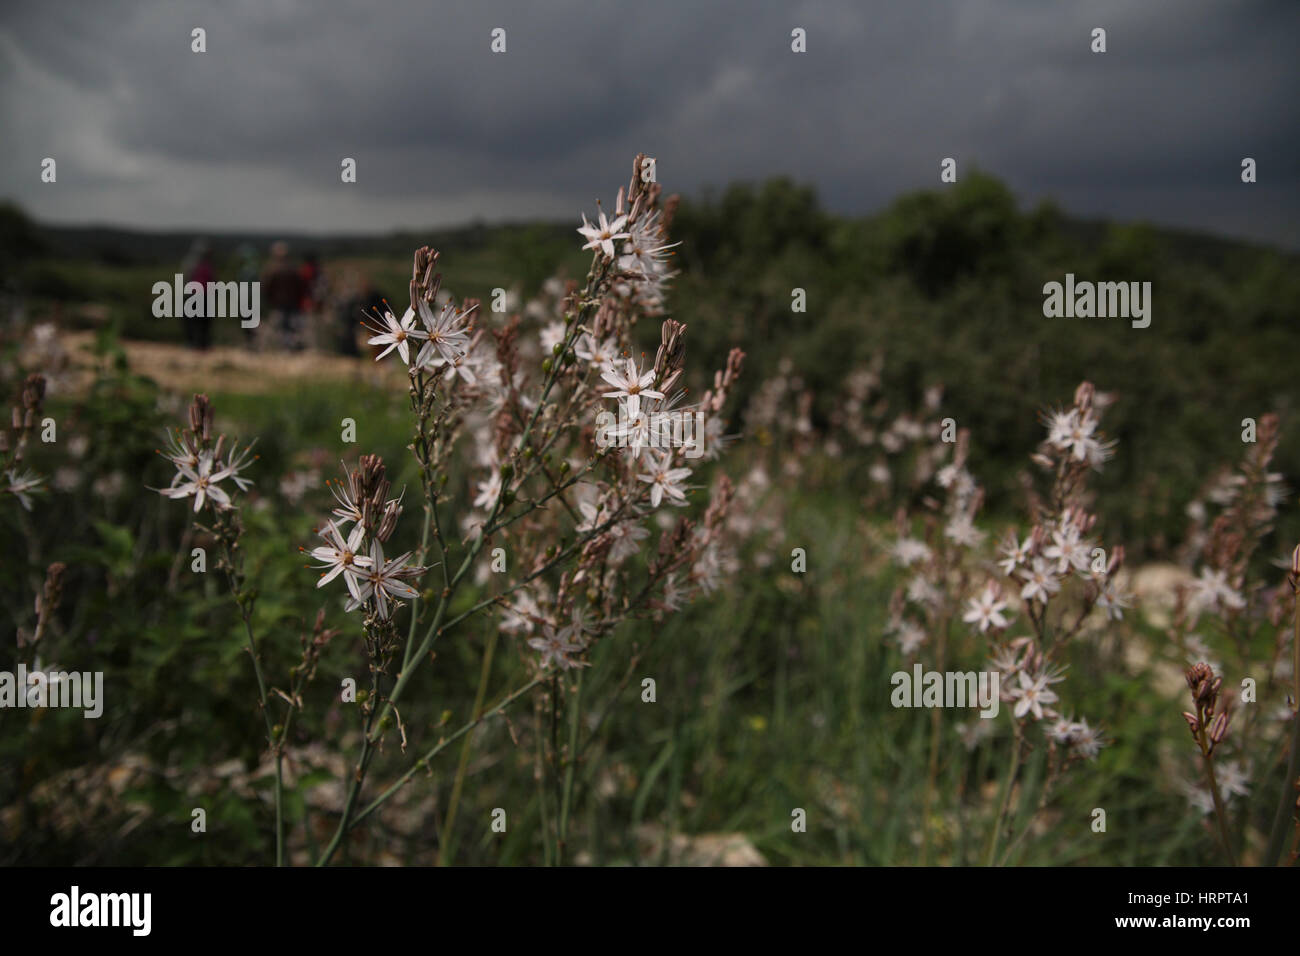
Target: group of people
(298, 302)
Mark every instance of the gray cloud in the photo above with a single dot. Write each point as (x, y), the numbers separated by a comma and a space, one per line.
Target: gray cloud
(251, 133)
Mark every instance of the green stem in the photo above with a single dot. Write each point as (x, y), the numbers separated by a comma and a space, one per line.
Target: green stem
(1286, 800)
(444, 851)
(570, 761)
(1220, 814)
(246, 612)
(346, 821)
(1004, 802)
(442, 745)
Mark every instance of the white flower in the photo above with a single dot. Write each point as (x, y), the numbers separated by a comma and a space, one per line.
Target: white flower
(1031, 696)
(1072, 432)
(664, 479)
(237, 461)
(1068, 549)
(465, 366)
(986, 610)
(603, 236)
(635, 429)
(910, 638)
(1014, 554)
(1233, 779)
(576, 631)
(645, 251)
(603, 354)
(382, 580)
(396, 334)
(349, 509)
(340, 556)
(1062, 731)
(552, 335)
(707, 570)
(1059, 426)
(21, 484)
(489, 490)
(1083, 741)
(181, 450)
(626, 535)
(593, 516)
(1006, 661)
(962, 531)
(446, 334)
(201, 482)
(1199, 797)
(921, 591)
(947, 475)
(908, 551)
(972, 732)
(631, 384)
(1113, 601)
(707, 444)
(521, 614)
(1212, 589)
(673, 596)
(1087, 740)
(1040, 582)
(559, 646)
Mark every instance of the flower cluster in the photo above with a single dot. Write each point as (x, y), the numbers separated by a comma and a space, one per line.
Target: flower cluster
(1226, 620)
(358, 553)
(1021, 599)
(203, 463)
(18, 481)
(566, 490)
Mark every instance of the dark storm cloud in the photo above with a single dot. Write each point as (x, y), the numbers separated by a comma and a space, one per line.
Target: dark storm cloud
(251, 133)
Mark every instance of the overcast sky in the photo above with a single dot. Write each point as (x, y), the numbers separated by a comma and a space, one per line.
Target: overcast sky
(250, 134)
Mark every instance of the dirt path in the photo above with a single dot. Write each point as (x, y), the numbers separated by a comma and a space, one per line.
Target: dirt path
(226, 369)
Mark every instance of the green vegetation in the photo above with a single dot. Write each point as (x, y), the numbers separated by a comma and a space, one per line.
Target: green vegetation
(770, 693)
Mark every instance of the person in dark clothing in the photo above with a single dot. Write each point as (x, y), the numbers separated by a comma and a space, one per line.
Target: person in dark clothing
(198, 328)
(248, 270)
(283, 291)
(361, 299)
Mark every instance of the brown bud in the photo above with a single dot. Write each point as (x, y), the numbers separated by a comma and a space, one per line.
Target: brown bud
(34, 392)
(1219, 729)
(1083, 396)
(201, 417)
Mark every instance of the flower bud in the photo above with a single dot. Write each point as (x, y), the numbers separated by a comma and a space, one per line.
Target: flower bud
(1219, 729)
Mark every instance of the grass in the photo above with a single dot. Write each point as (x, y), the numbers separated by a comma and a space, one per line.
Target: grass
(772, 697)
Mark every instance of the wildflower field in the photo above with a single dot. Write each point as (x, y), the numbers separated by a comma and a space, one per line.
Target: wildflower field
(715, 531)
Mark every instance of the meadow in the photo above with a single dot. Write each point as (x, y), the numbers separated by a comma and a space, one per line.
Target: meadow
(893, 464)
